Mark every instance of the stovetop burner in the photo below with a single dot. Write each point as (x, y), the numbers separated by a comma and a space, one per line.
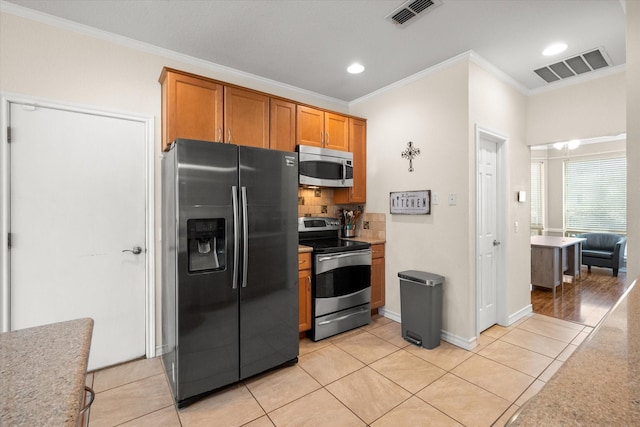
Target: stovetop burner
(322, 234)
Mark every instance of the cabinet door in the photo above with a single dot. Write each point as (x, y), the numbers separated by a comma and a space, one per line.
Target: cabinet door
(282, 132)
(191, 108)
(377, 282)
(310, 126)
(336, 132)
(246, 118)
(358, 146)
(304, 300)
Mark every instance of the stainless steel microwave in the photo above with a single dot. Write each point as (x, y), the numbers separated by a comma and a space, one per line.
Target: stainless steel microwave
(324, 167)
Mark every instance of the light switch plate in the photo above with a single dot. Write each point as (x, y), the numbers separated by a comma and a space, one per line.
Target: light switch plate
(452, 199)
(434, 198)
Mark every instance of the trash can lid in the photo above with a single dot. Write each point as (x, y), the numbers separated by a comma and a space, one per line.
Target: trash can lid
(428, 279)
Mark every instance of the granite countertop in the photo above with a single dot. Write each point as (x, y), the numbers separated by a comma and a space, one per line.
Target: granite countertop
(370, 240)
(42, 372)
(599, 385)
(302, 249)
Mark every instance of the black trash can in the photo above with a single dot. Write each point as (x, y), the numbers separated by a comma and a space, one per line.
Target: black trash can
(421, 306)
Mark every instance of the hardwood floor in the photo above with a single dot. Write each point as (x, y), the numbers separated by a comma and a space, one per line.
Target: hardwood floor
(584, 301)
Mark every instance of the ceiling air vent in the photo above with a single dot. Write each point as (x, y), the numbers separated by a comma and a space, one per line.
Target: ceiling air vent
(411, 9)
(569, 67)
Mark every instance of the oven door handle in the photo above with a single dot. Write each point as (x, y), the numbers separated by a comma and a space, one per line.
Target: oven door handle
(344, 255)
(346, 316)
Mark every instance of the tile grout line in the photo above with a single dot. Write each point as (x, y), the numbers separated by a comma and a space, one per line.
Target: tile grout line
(397, 349)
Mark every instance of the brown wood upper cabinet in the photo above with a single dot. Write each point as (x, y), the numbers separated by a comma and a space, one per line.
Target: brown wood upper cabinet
(322, 129)
(191, 108)
(246, 117)
(358, 146)
(283, 125)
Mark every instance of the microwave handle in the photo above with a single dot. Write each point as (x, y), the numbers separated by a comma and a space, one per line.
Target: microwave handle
(344, 171)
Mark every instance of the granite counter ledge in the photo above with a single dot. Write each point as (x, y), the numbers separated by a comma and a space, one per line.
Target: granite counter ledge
(42, 372)
(370, 240)
(599, 385)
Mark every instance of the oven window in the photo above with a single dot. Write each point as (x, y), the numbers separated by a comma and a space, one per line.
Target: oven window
(342, 281)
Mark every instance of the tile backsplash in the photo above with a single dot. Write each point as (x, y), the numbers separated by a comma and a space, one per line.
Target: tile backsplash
(373, 226)
(319, 202)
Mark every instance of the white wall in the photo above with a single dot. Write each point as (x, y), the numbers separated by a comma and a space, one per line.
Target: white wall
(633, 138)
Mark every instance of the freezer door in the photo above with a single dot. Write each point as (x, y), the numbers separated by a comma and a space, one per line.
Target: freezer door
(207, 303)
(269, 288)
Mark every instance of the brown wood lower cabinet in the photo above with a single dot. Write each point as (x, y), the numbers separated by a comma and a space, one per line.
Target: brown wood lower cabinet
(377, 276)
(304, 289)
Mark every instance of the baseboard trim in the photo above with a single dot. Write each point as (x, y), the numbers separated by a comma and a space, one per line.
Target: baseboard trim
(525, 311)
(464, 343)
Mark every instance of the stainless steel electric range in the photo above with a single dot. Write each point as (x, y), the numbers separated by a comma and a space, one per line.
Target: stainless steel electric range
(341, 280)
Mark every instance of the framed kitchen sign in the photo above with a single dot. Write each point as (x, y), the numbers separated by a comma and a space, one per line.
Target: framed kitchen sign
(410, 202)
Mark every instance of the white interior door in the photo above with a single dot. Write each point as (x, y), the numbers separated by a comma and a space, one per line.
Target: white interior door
(77, 200)
(488, 241)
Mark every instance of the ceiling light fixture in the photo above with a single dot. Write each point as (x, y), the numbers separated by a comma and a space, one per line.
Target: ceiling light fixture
(573, 144)
(570, 145)
(355, 68)
(554, 49)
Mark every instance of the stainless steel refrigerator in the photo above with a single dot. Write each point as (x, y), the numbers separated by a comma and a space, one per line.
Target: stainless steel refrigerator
(229, 264)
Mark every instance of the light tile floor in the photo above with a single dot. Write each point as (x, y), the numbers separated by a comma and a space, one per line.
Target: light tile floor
(369, 376)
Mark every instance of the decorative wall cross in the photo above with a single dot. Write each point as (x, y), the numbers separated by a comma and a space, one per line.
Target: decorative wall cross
(410, 153)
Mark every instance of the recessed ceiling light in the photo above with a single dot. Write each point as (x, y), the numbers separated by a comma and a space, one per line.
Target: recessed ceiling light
(355, 68)
(554, 49)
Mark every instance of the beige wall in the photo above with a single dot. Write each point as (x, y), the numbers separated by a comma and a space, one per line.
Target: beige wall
(554, 174)
(587, 110)
(500, 108)
(46, 61)
(438, 112)
(633, 137)
(432, 112)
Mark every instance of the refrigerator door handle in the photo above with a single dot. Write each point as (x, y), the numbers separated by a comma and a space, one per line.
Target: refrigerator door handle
(245, 237)
(236, 236)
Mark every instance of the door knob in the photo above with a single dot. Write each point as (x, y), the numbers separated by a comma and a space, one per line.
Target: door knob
(136, 250)
(496, 243)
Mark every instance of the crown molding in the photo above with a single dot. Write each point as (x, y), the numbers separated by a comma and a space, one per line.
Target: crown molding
(469, 55)
(414, 77)
(54, 21)
(497, 72)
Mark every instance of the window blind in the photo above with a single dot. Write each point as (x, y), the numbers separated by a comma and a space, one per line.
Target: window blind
(596, 195)
(537, 218)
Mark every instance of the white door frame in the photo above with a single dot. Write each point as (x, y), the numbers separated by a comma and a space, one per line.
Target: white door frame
(502, 316)
(5, 208)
